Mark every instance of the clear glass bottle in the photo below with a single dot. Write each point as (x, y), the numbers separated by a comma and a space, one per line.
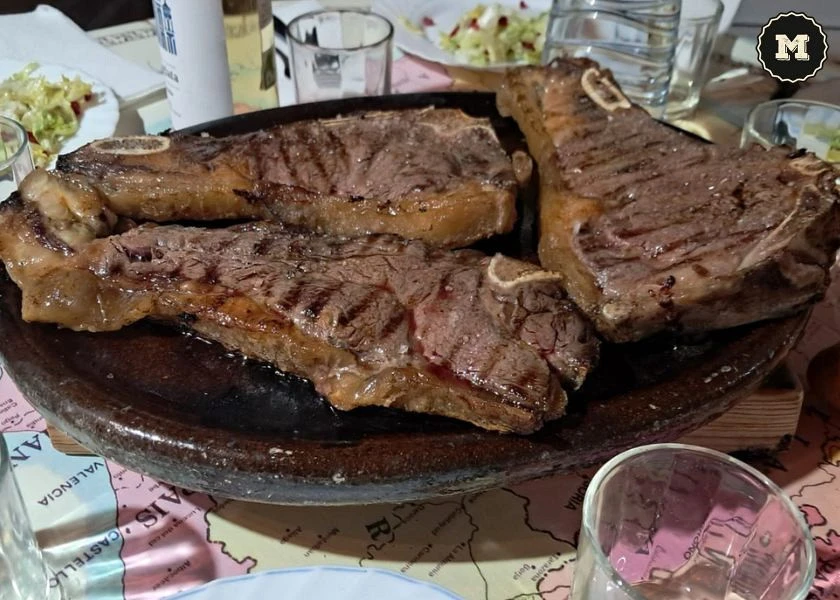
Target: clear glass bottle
(249, 35)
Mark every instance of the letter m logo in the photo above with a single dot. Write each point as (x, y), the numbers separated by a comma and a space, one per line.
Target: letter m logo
(798, 46)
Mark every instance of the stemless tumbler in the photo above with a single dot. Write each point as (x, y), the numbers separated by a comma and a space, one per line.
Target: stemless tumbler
(807, 124)
(15, 157)
(635, 39)
(23, 574)
(699, 21)
(675, 521)
(340, 54)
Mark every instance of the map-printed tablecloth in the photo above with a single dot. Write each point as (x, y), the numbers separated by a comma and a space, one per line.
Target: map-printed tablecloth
(110, 533)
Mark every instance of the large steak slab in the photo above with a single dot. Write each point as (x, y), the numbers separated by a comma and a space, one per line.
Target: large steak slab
(652, 229)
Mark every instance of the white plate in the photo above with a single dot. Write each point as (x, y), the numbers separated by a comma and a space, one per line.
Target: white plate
(98, 120)
(335, 583)
(445, 14)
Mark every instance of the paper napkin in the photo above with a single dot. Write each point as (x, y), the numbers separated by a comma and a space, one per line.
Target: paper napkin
(46, 35)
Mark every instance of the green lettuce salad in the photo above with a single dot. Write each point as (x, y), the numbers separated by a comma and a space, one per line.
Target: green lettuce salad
(493, 34)
(48, 110)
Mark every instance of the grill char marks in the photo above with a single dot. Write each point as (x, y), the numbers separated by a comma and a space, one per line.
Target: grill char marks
(376, 320)
(627, 203)
(431, 174)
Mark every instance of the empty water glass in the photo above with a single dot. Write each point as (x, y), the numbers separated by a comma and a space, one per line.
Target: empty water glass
(635, 39)
(23, 574)
(340, 54)
(699, 21)
(15, 157)
(671, 521)
(807, 124)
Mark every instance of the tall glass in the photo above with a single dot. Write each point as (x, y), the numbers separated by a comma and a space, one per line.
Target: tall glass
(699, 22)
(635, 39)
(23, 574)
(340, 54)
(807, 124)
(676, 521)
(15, 157)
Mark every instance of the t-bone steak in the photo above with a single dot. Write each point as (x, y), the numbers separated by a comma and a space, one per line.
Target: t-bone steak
(373, 320)
(653, 229)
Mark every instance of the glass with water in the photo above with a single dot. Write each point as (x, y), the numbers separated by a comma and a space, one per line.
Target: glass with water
(340, 54)
(23, 572)
(699, 23)
(807, 124)
(635, 39)
(671, 521)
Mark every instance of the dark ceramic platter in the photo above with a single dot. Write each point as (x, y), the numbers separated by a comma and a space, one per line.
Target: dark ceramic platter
(183, 411)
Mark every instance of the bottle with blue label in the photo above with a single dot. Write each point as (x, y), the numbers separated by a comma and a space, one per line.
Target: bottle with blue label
(194, 60)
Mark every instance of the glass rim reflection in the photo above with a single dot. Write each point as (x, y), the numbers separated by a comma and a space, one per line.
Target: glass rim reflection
(624, 3)
(21, 137)
(793, 101)
(749, 132)
(603, 561)
(387, 36)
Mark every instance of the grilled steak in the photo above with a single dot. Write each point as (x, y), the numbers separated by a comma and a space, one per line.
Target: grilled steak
(431, 174)
(653, 229)
(377, 320)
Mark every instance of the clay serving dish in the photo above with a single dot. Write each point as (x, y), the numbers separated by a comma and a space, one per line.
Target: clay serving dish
(184, 411)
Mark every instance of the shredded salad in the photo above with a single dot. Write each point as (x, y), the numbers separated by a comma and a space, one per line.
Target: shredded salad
(48, 110)
(493, 34)
(826, 137)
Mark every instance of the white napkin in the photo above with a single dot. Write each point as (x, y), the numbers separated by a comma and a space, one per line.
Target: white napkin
(47, 35)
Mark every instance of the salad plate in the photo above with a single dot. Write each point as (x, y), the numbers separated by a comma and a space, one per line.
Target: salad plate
(99, 117)
(458, 32)
(338, 583)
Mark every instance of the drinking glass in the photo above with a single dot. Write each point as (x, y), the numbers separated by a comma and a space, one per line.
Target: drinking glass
(699, 22)
(15, 157)
(340, 54)
(676, 521)
(23, 573)
(635, 39)
(807, 124)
